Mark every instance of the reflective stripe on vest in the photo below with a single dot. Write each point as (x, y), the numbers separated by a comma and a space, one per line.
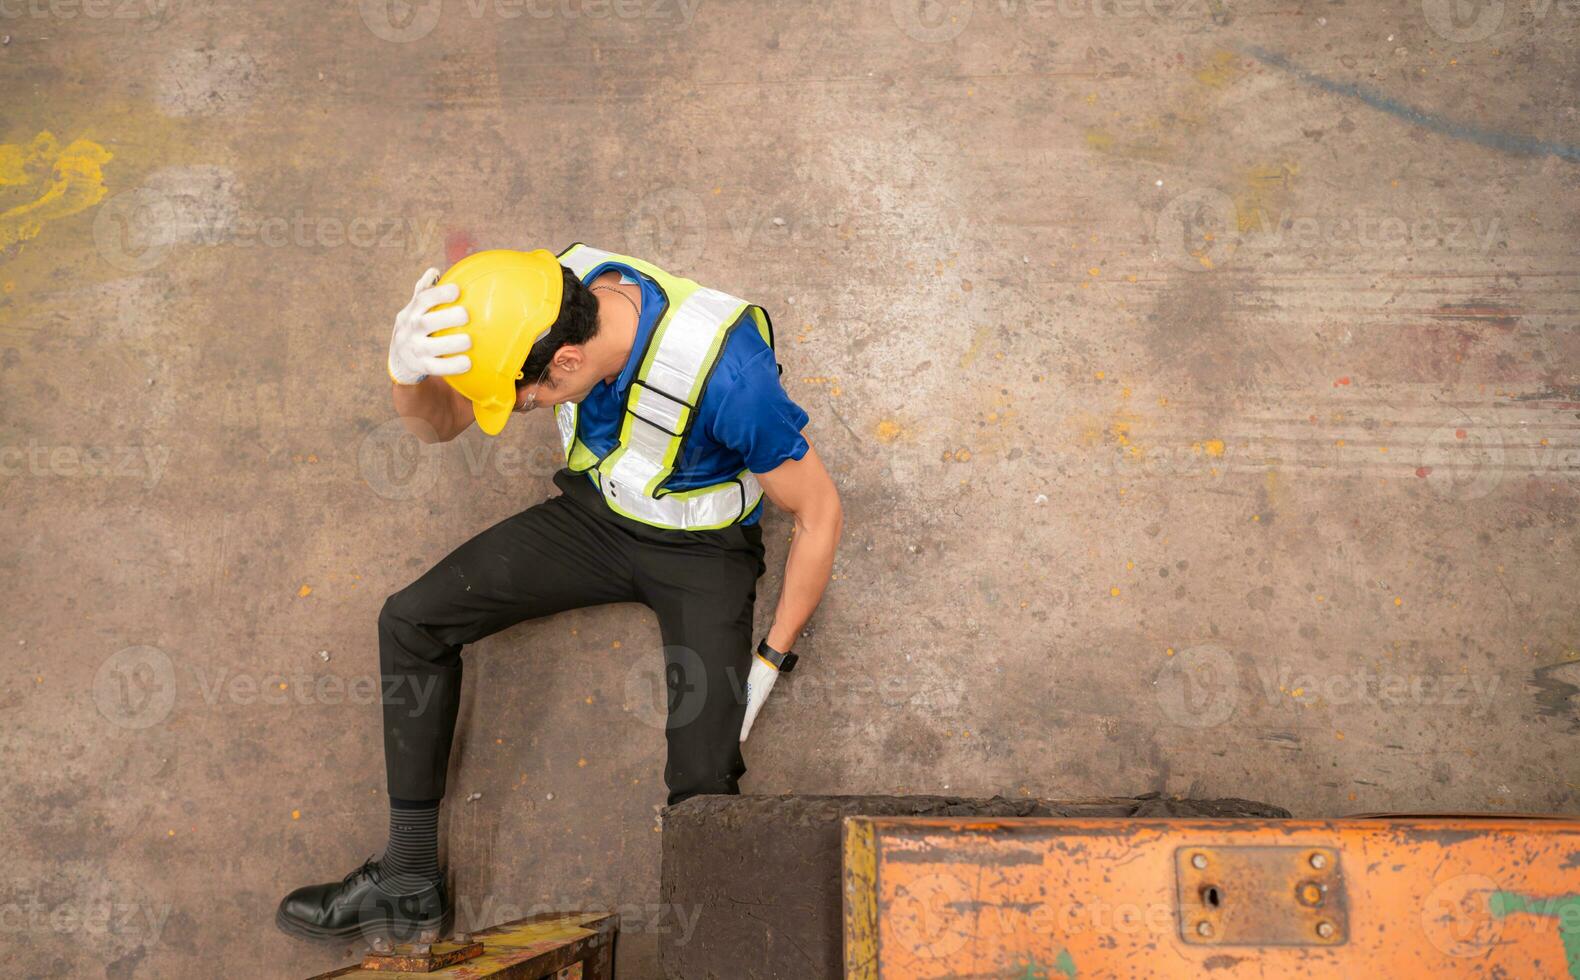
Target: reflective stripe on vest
(660, 406)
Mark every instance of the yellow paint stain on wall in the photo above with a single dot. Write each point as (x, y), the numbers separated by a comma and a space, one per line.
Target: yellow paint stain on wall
(1090, 429)
(1114, 430)
(1220, 70)
(1106, 143)
(1265, 193)
(60, 182)
(1100, 140)
(979, 337)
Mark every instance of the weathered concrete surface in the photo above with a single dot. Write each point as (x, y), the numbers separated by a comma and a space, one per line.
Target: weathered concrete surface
(1147, 347)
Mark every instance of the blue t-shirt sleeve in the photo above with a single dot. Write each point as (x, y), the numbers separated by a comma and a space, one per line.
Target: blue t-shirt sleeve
(756, 418)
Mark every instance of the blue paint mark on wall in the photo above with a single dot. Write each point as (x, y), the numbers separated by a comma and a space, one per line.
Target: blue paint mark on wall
(1495, 139)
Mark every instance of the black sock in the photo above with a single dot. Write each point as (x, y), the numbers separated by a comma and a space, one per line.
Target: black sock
(412, 857)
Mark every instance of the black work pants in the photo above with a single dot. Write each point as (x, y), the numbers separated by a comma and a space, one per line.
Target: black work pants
(568, 552)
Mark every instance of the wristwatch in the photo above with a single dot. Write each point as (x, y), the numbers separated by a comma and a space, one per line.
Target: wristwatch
(782, 662)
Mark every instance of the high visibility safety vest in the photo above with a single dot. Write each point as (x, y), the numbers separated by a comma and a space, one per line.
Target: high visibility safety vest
(661, 405)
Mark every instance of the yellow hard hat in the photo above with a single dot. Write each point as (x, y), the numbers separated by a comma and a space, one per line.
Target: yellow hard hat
(511, 299)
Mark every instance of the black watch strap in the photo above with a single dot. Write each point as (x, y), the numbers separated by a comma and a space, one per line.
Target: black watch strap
(783, 662)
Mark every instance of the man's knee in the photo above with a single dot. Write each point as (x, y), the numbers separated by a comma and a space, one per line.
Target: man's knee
(402, 610)
(406, 622)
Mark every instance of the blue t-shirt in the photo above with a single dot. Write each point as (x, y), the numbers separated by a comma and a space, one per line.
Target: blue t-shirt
(744, 420)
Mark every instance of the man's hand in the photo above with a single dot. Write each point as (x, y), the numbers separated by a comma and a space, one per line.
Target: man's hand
(758, 683)
(414, 353)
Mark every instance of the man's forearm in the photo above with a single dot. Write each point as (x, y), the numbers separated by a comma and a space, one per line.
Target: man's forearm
(429, 410)
(807, 573)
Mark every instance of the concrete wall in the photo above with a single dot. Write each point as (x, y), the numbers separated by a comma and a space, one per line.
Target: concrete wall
(1201, 380)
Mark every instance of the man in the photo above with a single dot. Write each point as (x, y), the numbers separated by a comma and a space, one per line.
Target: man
(674, 425)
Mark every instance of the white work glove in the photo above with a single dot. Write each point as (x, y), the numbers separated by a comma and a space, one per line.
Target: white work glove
(758, 683)
(414, 354)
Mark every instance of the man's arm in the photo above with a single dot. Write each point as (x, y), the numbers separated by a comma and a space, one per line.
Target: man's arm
(804, 488)
(432, 410)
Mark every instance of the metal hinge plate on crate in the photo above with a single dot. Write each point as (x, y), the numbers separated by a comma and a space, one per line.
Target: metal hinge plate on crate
(1261, 896)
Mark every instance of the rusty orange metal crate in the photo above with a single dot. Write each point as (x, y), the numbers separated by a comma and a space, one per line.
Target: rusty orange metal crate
(1049, 898)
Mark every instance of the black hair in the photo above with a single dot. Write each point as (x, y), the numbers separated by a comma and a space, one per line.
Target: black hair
(576, 324)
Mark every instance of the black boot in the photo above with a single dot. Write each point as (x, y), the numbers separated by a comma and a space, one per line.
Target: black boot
(369, 903)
